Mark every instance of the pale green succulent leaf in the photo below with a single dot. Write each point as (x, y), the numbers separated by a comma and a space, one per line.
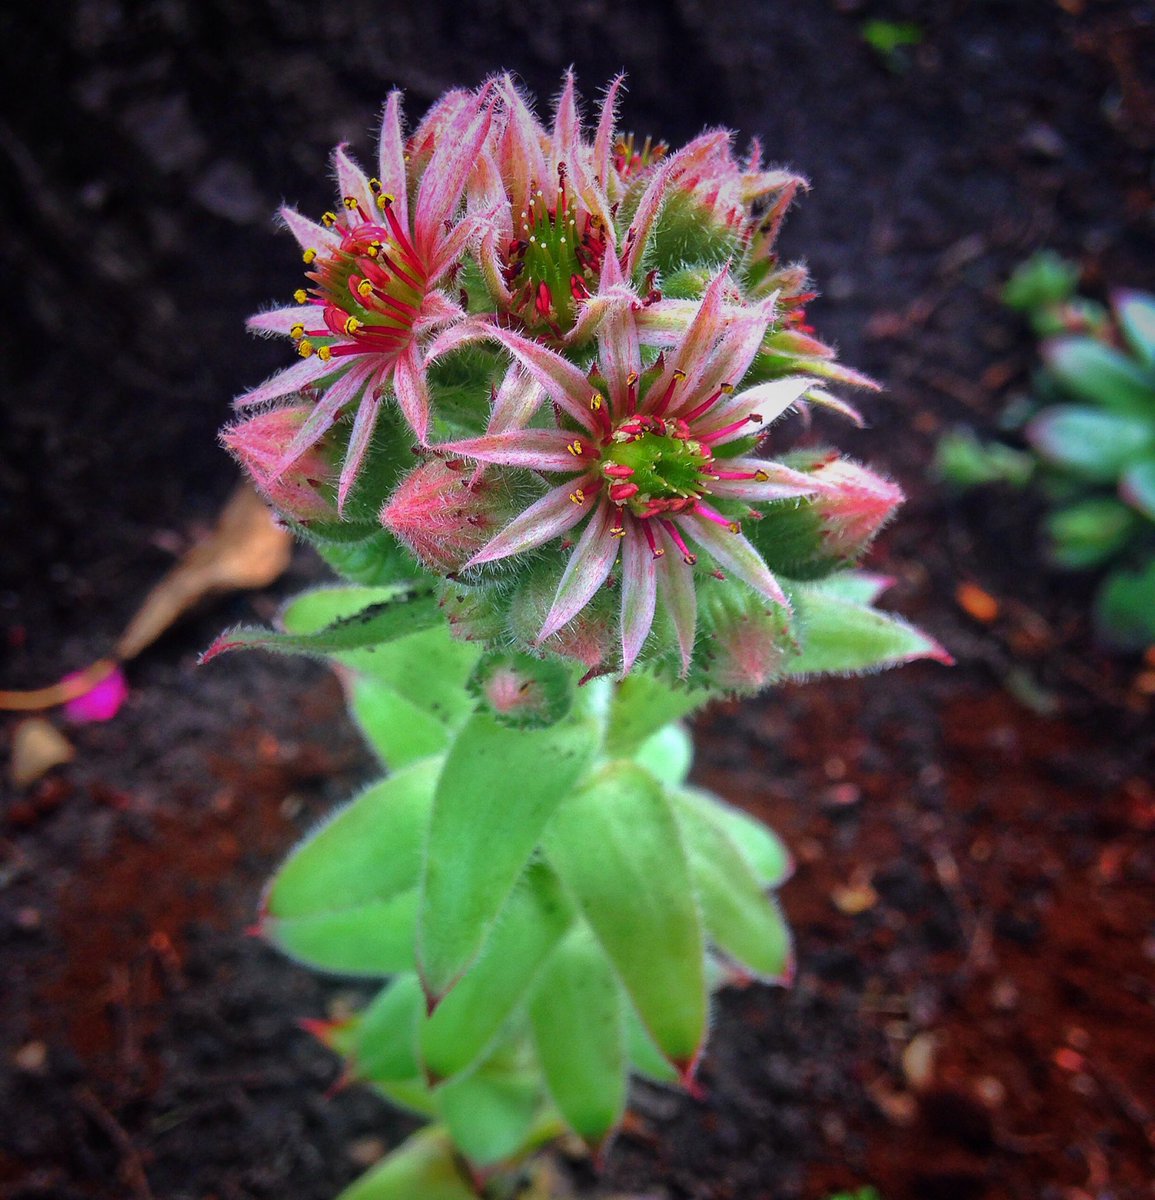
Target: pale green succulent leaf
(1125, 608)
(1137, 487)
(371, 939)
(1091, 443)
(384, 1043)
(425, 1166)
(667, 754)
(490, 1113)
(1087, 369)
(1089, 532)
(642, 704)
(1135, 312)
(398, 731)
(764, 852)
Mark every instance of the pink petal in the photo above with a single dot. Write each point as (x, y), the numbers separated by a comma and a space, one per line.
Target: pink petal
(101, 702)
(391, 158)
(567, 386)
(455, 243)
(736, 349)
(282, 320)
(689, 356)
(648, 208)
(520, 154)
(679, 597)
(359, 440)
(639, 593)
(458, 147)
(518, 398)
(589, 565)
(323, 416)
(290, 380)
(604, 137)
(412, 390)
(309, 235)
(767, 400)
(551, 516)
(353, 182)
(535, 449)
(566, 126)
(733, 552)
(781, 482)
(619, 355)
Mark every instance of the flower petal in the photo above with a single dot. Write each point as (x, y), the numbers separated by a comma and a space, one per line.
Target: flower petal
(566, 385)
(534, 449)
(309, 235)
(412, 390)
(604, 137)
(391, 158)
(458, 147)
(648, 208)
(518, 398)
(679, 597)
(781, 482)
(283, 320)
(639, 593)
(359, 439)
(314, 427)
(353, 183)
(551, 516)
(767, 400)
(589, 565)
(733, 552)
(292, 379)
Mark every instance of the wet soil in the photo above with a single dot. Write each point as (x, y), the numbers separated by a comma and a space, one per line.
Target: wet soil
(974, 1010)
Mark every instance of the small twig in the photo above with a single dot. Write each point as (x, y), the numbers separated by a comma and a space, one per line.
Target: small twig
(130, 1170)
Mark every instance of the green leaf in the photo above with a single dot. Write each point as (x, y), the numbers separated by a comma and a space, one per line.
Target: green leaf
(1088, 533)
(1125, 608)
(496, 792)
(406, 612)
(384, 1042)
(1137, 487)
(491, 1112)
(616, 847)
(962, 461)
(641, 705)
(576, 1014)
(741, 920)
(1089, 370)
(1135, 312)
(345, 899)
(374, 562)
(764, 851)
(1089, 443)
(667, 754)
(1045, 280)
(425, 1166)
(841, 638)
(397, 729)
(645, 1058)
(468, 1019)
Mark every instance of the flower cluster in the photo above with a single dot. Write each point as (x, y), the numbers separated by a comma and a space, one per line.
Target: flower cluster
(539, 363)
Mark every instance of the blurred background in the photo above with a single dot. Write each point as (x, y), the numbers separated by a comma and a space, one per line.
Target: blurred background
(973, 1014)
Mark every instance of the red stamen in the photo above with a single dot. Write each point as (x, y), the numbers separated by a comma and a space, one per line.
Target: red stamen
(668, 394)
(721, 435)
(656, 550)
(672, 529)
(713, 515)
(618, 471)
(706, 405)
(621, 492)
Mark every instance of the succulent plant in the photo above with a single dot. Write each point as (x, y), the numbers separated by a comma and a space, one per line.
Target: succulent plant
(1090, 441)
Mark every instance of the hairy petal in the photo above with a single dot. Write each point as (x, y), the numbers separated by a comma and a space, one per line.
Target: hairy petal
(679, 597)
(734, 553)
(534, 449)
(565, 384)
(589, 565)
(412, 390)
(391, 158)
(639, 593)
(780, 483)
(292, 379)
(551, 516)
(359, 440)
(309, 235)
(314, 427)
(767, 400)
(353, 182)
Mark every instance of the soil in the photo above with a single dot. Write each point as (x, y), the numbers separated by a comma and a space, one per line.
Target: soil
(974, 1010)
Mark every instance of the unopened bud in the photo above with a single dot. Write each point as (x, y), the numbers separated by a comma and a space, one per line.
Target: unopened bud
(521, 690)
(302, 490)
(853, 505)
(748, 640)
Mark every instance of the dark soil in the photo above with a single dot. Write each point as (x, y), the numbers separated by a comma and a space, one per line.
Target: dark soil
(974, 1011)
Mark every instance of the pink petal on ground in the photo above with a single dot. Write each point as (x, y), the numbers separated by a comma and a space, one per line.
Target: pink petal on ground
(639, 593)
(535, 449)
(100, 703)
(391, 158)
(734, 553)
(551, 516)
(290, 380)
(589, 564)
(567, 386)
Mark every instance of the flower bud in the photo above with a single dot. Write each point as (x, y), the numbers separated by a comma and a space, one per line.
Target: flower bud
(522, 691)
(302, 490)
(746, 640)
(853, 505)
(445, 512)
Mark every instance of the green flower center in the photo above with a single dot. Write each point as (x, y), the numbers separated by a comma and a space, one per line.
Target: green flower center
(653, 469)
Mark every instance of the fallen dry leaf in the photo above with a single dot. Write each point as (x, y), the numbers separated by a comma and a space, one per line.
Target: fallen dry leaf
(37, 747)
(247, 549)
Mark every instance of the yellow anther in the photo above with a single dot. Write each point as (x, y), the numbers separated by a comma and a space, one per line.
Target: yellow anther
(761, 477)
(596, 401)
(350, 202)
(304, 348)
(352, 325)
(375, 185)
(618, 531)
(576, 448)
(679, 375)
(578, 497)
(726, 389)
(365, 288)
(297, 331)
(734, 527)
(324, 354)
(659, 552)
(300, 295)
(328, 219)
(632, 379)
(309, 256)
(373, 249)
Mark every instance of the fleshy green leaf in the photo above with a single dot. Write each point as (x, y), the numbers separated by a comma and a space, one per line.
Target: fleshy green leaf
(468, 1019)
(1125, 608)
(405, 612)
(384, 1043)
(498, 789)
(764, 851)
(642, 704)
(840, 638)
(576, 1014)
(1090, 443)
(616, 847)
(645, 1058)
(741, 920)
(490, 1112)
(425, 1166)
(1137, 486)
(345, 898)
(1090, 532)
(667, 754)
(398, 731)
(1089, 370)
(1135, 312)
